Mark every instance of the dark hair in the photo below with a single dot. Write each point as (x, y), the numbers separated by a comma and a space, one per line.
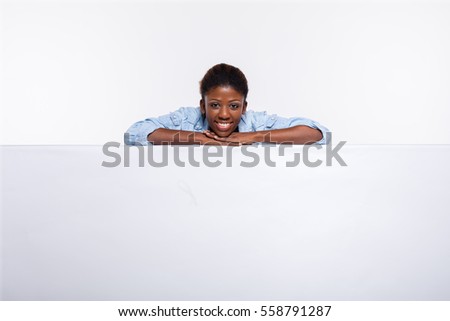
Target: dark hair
(224, 75)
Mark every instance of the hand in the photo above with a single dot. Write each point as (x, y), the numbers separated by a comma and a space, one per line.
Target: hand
(204, 139)
(233, 138)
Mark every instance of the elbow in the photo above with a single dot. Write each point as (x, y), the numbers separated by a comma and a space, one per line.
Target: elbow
(309, 135)
(317, 136)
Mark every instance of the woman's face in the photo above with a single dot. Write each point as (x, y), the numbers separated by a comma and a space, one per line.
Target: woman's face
(223, 107)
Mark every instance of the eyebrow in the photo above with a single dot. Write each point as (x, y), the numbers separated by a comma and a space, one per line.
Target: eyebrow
(232, 100)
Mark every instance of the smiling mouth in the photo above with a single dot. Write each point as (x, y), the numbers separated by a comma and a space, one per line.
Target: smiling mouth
(223, 126)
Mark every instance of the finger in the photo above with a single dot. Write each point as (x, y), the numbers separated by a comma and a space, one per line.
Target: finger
(222, 143)
(209, 134)
(232, 144)
(222, 139)
(212, 135)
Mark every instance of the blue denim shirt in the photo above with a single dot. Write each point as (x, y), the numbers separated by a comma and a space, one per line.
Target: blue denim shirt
(191, 119)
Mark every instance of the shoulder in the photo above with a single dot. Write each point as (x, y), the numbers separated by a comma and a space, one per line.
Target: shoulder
(251, 116)
(189, 114)
(257, 119)
(188, 111)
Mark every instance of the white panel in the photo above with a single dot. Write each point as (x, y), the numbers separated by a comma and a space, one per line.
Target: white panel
(377, 229)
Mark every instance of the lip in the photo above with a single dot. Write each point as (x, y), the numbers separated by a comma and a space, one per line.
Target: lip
(221, 127)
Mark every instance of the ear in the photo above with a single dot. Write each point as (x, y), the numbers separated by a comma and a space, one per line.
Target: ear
(202, 107)
(244, 108)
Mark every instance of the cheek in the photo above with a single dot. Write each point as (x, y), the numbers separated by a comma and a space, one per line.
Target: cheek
(237, 116)
(210, 114)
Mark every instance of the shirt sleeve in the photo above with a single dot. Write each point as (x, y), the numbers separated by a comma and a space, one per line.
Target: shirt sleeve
(277, 122)
(138, 132)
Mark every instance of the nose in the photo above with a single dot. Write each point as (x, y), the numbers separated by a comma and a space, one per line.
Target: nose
(224, 113)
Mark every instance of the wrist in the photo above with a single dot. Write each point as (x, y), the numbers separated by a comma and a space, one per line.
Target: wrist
(259, 137)
(202, 139)
(199, 138)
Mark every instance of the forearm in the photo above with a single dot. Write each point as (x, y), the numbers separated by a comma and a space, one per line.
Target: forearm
(293, 135)
(163, 136)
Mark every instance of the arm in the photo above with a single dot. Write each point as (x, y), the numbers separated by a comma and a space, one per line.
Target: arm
(163, 136)
(293, 135)
(166, 125)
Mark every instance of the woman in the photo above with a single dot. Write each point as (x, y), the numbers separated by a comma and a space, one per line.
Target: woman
(223, 119)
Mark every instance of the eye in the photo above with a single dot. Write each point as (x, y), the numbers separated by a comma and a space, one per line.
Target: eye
(214, 105)
(234, 106)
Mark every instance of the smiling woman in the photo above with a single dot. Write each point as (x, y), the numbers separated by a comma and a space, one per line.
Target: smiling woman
(223, 119)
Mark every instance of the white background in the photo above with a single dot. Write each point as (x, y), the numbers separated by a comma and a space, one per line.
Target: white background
(82, 72)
